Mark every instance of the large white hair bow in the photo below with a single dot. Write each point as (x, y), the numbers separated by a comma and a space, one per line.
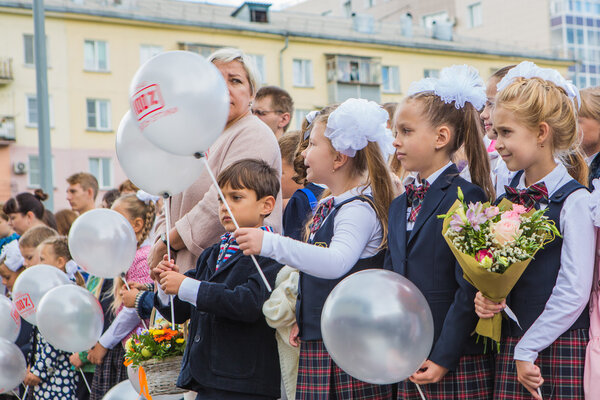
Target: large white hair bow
(146, 197)
(529, 70)
(355, 123)
(459, 84)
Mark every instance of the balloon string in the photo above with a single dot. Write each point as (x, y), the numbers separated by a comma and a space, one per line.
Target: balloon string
(168, 223)
(128, 288)
(26, 390)
(540, 392)
(15, 393)
(212, 176)
(420, 391)
(87, 385)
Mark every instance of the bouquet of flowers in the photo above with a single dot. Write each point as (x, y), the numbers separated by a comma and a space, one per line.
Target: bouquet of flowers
(493, 246)
(156, 354)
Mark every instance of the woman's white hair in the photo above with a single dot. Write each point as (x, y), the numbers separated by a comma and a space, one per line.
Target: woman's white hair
(229, 54)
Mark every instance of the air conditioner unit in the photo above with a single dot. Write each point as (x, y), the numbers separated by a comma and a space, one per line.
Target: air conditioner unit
(20, 168)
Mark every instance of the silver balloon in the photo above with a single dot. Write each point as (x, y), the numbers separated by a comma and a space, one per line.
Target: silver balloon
(377, 326)
(103, 243)
(70, 318)
(12, 366)
(122, 391)
(10, 320)
(32, 285)
(180, 101)
(151, 168)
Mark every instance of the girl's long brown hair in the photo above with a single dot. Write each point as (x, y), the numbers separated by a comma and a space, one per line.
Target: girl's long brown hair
(368, 161)
(465, 125)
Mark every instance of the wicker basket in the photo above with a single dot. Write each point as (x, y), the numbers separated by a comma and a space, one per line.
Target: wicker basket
(161, 375)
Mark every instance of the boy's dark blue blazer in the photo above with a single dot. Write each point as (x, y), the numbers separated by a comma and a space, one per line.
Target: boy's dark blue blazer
(230, 346)
(425, 259)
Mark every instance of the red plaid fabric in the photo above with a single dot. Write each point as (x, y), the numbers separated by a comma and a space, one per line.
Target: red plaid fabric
(319, 378)
(414, 196)
(537, 193)
(320, 215)
(473, 379)
(561, 365)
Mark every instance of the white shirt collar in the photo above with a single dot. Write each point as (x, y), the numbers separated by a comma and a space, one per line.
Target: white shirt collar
(355, 191)
(558, 177)
(589, 159)
(412, 177)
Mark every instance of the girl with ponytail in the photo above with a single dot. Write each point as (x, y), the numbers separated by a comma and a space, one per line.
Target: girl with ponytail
(438, 118)
(347, 150)
(535, 118)
(139, 209)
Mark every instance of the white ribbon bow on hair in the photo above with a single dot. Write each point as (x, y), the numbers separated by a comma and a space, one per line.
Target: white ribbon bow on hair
(529, 70)
(146, 197)
(355, 123)
(71, 269)
(459, 84)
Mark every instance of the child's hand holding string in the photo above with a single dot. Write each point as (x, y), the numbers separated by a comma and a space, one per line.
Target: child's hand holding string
(530, 376)
(129, 296)
(163, 266)
(249, 239)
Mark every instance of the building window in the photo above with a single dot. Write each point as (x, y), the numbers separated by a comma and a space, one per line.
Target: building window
(98, 114)
(303, 75)
(475, 15)
(32, 111)
(34, 174)
(28, 49)
(299, 117)
(147, 51)
(431, 73)
(354, 69)
(258, 15)
(202, 49)
(259, 61)
(95, 55)
(390, 79)
(101, 168)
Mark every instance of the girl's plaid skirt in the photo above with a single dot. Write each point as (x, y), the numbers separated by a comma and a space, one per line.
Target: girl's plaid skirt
(319, 378)
(473, 379)
(109, 373)
(561, 365)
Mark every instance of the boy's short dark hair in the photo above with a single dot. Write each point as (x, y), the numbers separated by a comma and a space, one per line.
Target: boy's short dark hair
(252, 174)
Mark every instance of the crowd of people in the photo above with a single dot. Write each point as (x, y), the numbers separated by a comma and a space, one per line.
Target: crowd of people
(359, 186)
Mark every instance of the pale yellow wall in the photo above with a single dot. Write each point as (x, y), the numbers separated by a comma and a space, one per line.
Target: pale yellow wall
(70, 85)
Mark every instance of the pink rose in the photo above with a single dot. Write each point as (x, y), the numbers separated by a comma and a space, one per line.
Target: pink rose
(506, 230)
(519, 209)
(481, 254)
(510, 215)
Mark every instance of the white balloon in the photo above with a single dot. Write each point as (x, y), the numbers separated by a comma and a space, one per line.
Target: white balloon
(151, 168)
(70, 318)
(180, 102)
(12, 366)
(32, 285)
(10, 320)
(122, 391)
(134, 377)
(103, 243)
(377, 326)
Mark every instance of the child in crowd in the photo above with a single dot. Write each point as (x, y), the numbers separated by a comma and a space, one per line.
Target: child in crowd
(346, 235)
(26, 210)
(499, 173)
(434, 121)
(50, 373)
(535, 120)
(231, 352)
(64, 220)
(139, 209)
(302, 195)
(589, 122)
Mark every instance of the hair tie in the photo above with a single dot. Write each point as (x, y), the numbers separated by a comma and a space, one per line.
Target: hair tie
(355, 123)
(146, 197)
(460, 84)
(529, 70)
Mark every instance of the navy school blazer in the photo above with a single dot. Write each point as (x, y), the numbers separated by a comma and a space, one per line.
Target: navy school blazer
(425, 259)
(229, 346)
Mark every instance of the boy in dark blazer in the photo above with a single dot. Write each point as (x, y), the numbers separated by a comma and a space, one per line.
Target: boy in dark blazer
(231, 352)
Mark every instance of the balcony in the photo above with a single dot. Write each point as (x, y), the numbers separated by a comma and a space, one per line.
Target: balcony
(6, 71)
(7, 130)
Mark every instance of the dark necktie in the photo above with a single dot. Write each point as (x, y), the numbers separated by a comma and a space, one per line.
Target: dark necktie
(320, 215)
